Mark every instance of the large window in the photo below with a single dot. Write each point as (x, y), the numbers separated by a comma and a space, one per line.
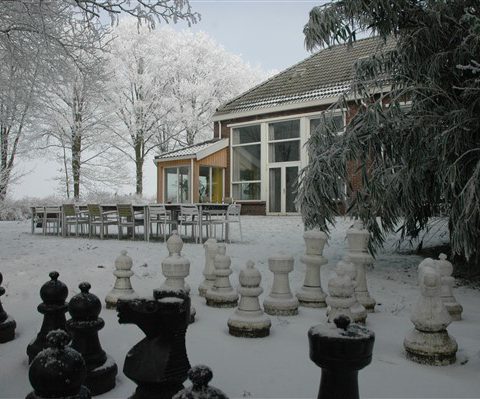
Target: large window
(335, 122)
(210, 188)
(284, 141)
(246, 162)
(177, 185)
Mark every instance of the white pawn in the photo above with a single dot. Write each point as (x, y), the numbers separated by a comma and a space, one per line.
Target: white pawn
(248, 320)
(341, 295)
(222, 295)
(123, 287)
(445, 268)
(429, 342)
(311, 293)
(280, 301)
(209, 270)
(176, 268)
(358, 238)
(358, 311)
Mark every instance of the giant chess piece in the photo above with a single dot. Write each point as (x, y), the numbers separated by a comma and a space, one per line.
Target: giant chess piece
(358, 238)
(248, 320)
(341, 298)
(84, 326)
(222, 295)
(7, 324)
(429, 342)
(357, 310)
(445, 268)
(53, 294)
(158, 364)
(340, 351)
(58, 372)
(209, 270)
(123, 287)
(200, 376)
(176, 268)
(311, 294)
(280, 301)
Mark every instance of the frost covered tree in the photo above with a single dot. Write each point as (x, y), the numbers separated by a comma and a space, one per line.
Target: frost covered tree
(420, 155)
(165, 86)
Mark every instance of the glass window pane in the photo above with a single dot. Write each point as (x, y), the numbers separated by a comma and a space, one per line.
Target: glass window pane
(284, 151)
(246, 163)
(217, 185)
(247, 134)
(275, 190)
(291, 176)
(171, 185)
(204, 184)
(284, 130)
(246, 191)
(184, 185)
(335, 122)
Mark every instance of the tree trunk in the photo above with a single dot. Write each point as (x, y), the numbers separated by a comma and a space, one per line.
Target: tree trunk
(4, 168)
(139, 168)
(76, 141)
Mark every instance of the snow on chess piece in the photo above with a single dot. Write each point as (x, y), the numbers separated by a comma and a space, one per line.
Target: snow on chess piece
(222, 295)
(7, 324)
(445, 268)
(341, 298)
(429, 342)
(340, 350)
(84, 325)
(53, 294)
(209, 271)
(123, 287)
(200, 376)
(357, 310)
(176, 268)
(280, 301)
(158, 364)
(311, 293)
(358, 238)
(248, 320)
(58, 371)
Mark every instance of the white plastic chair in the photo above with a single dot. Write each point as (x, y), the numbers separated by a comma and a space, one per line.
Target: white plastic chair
(159, 216)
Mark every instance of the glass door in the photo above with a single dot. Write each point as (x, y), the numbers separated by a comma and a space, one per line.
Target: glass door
(281, 189)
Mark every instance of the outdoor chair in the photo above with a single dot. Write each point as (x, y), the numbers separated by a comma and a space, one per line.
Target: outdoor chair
(52, 219)
(38, 214)
(98, 217)
(72, 216)
(190, 216)
(214, 217)
(231, 216)
(159, 216)
(127, 218)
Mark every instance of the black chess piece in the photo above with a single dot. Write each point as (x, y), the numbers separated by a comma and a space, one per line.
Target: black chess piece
(7, 324)
(158, 364)
(83, 327)
(200, 376)
(53, 294)
(58, 371)
(341, 352)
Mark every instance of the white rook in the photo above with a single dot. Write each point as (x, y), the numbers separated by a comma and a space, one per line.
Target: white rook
(122, 288)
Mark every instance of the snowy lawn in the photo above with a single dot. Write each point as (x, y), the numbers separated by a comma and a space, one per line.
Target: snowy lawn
(277, 366)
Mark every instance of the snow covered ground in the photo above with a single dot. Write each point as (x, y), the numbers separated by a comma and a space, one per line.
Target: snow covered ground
(277, 366)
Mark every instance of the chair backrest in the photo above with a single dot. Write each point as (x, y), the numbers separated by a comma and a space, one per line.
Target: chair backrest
(69, 210)
(157, 210)
(94, 210)
(234, 211)
(125, 210)
(52, 209)
(188, 210)
(39, 210)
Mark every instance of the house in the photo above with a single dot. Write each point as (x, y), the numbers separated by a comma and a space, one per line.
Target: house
(266, 128)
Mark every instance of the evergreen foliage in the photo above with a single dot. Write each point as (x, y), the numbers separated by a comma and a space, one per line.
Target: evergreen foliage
(418, 156)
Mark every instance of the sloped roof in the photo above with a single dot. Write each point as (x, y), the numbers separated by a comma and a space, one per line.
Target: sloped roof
(326, 73)
(197, 151)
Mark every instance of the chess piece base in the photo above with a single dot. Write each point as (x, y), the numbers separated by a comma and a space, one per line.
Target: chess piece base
(204, 287)
(366, 300)
(84, 393)
(102, 378)
(433, 348)
(277, 307)
(7, 330)
(258, 327)
(311, 297)
(157, 391)
(218, 303)
(454, 310)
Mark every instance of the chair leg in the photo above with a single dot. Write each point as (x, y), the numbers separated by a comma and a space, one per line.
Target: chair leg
(240, 226)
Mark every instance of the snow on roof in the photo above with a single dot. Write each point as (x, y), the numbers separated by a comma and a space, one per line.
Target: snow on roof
(197, 151)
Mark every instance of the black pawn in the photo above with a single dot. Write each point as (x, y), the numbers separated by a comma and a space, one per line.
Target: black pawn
(53, 294)
(158, 364)
(200, 376)
(58, 371)
(83, 327)
(7, 324)
(340, 352)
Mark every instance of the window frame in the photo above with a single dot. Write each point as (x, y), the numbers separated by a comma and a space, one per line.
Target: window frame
(165, 183)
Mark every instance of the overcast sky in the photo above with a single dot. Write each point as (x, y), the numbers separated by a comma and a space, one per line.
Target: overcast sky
(267, 33)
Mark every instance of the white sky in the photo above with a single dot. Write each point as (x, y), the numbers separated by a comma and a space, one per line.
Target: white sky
(265, 33)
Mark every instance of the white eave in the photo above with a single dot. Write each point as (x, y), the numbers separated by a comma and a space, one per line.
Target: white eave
(198, 155)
